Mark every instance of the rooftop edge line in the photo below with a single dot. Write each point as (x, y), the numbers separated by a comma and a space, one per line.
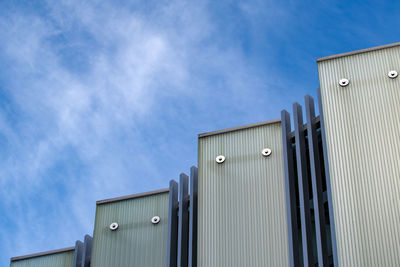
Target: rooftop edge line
(149, 193)
(39, 254)
(358, 52)
(239, 128)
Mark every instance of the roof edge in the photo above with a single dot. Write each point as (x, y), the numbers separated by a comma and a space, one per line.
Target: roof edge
(144, 194)
(44, 253)
(239, 128)
(358, 52)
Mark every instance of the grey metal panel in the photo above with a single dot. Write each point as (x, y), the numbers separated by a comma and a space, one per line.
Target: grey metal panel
(78, 254)
(302, 181)
(183, 221)
(137, 241)
(172, 239)
(316, 181)
(290, 187)
(193, 217)
(241, 202)
(87, 251)
(362, 133)
(63, 258)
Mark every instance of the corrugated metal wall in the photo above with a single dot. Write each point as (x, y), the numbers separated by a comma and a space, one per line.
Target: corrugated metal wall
(62, 259)
(362, 129)
(137, 242)
(241, 202)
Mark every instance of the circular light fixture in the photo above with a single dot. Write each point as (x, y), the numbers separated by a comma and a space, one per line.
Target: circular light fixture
(266, 152)
(113, 226)
(219, 159)
(155, 220)
(344, 82)
(392, 74)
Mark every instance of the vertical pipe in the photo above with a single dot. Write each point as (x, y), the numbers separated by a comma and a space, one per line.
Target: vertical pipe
(316, 180)
(78, 254)
(290, 189)
(87, 251)
(183, 221)
(328, 182)
(193, 217)
(172, 225)
(304, 194)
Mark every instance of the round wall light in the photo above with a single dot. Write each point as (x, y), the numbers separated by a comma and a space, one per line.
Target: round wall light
(266, 152)
(344, 82)
(220, 159)
(155, 220)
(113, 226)
(392, 74)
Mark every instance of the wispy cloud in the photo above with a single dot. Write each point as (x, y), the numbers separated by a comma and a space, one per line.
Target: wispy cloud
(103, 99)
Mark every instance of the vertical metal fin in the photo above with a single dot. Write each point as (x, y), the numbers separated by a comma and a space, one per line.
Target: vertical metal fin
(316, 180)
(87, 251)
(304, 194)
(183, 223)
(290, 188)
(172, 225)
(78, 254)
(193, 217)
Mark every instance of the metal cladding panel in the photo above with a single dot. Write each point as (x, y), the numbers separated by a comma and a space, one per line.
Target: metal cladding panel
(241, 202)
(362, 133)
(62, 259)
(137, 241)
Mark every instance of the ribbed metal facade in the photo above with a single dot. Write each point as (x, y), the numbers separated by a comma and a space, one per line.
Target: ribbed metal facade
(327, 195)
(62, 259)
(362, 133)
(137, 241)
(241, 202)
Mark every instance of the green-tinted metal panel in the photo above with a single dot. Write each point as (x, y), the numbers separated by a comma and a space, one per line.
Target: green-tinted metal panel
(137, 241)
(62, 259)
(362, 129)
(241, 202)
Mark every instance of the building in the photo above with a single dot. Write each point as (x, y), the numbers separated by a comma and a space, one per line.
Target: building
(326, 193)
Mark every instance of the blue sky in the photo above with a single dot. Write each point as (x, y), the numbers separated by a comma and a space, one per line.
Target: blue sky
(105, 98)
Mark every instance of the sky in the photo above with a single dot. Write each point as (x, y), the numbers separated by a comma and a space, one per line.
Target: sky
(100, 99)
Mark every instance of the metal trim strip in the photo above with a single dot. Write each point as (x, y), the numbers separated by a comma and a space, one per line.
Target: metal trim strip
(239, 128)
(110, 200)
(358, 52)
(45, 253)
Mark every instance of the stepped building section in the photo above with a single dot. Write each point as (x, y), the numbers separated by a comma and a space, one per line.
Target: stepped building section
(303, 190)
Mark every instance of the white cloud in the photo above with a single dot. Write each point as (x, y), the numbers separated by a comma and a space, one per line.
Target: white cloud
(89, 80)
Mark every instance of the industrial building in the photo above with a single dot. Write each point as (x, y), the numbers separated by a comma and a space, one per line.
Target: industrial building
(325, 193)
